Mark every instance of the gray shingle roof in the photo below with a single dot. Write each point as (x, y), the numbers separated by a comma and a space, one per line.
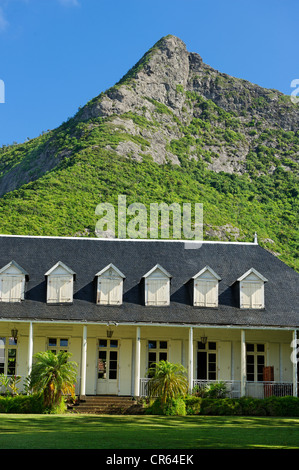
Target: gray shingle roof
(86, 257)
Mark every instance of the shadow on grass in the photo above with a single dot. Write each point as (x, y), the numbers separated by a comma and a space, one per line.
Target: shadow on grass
(146, 432)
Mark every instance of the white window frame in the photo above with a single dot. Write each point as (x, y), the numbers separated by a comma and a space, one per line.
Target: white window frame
(58, 346)
(205, 288)
(64, 277)
(252, 285)
(110, 286)
(12, 283)
(157, 287)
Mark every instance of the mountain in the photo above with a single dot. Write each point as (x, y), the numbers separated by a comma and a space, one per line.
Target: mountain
(173, 129)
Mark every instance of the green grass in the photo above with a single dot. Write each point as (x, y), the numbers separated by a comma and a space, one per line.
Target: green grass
(147, 432)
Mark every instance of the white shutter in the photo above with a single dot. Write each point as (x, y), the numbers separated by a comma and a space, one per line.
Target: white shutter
(252, 295)
(256, 295)
(115, 291)
(110, 290)
(53, 289)
(152, 286)
(16, 288)
(158, 291)
(211, 294)
(199, 293)
(60, 289)
(5, 289)
(65, 289)
(12, 288)
(163, 292)
(103, 294)
(206, 293)
(245, 295)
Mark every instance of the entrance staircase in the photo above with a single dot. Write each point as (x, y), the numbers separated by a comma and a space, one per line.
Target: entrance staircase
(100, 404)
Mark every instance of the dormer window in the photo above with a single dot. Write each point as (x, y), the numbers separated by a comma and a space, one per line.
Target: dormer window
(157, 286)
(12, 283)
(205, 288)
(110, 286)
(252, 289)
(60, 284)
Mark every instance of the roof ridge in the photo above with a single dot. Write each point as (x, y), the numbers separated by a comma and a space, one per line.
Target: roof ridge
(131, 239)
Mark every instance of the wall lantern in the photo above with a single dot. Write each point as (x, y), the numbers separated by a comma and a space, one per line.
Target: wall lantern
(109, 332)
(204, 339)
(14, 333)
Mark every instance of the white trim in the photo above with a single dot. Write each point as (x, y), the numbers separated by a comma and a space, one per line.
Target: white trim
(113, 267)
(131, 239)
(16, 265)
(254, 271)
(207, 268)
(83, 361)
(64, 266)
(173, 325)
(158, 266)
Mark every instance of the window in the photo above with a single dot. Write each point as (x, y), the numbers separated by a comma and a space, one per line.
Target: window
(255, 362)
(205, 293)
(8, 356)
(108, 359)
(157, 351)
(157, 287)
(60, 280)
(252, 289)
(110, 286)
(206, 361)
(12, 283)
(58, 344)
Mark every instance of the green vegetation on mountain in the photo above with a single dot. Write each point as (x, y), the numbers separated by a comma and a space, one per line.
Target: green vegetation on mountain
(205, 137)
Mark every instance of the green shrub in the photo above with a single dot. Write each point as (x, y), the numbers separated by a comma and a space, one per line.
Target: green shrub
(220, 406)
(282, 406)
(173, 407)
(193, 405)
(244, 406)
(26, 404)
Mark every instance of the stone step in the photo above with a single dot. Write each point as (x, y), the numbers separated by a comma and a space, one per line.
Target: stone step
(106, 405)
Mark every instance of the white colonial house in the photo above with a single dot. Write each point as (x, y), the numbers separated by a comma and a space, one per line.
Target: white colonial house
(226, 311)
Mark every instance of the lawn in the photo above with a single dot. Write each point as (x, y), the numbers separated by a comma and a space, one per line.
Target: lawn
(147, 432)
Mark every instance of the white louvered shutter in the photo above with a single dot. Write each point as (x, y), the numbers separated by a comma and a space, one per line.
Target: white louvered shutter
(206, 293)
(256, 295)
(103, 294)
(65, 289)
(11, 288)
(115, 291)
(60, 289)
(158, 291)
(245, 295)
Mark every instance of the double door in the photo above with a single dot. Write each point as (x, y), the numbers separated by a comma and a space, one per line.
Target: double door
(108, 367)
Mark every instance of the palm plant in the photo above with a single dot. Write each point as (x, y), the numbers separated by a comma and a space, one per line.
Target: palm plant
(52, 375)
(168, 381)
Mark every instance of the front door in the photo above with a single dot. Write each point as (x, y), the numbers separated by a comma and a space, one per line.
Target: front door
(108, 357)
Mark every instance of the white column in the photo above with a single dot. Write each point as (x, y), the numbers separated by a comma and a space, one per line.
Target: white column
(83, 362)
(295, 360)
(137, 363)
(30, 347)
(243, 363)
(190, 362)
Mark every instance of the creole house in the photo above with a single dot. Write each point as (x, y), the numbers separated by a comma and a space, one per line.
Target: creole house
(226, 311)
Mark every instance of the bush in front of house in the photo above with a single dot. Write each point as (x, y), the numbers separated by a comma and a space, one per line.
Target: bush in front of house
(172, 407)
(27, 404)
(244, 406)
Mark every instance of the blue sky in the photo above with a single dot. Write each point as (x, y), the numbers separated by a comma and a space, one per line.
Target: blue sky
(55, 55)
